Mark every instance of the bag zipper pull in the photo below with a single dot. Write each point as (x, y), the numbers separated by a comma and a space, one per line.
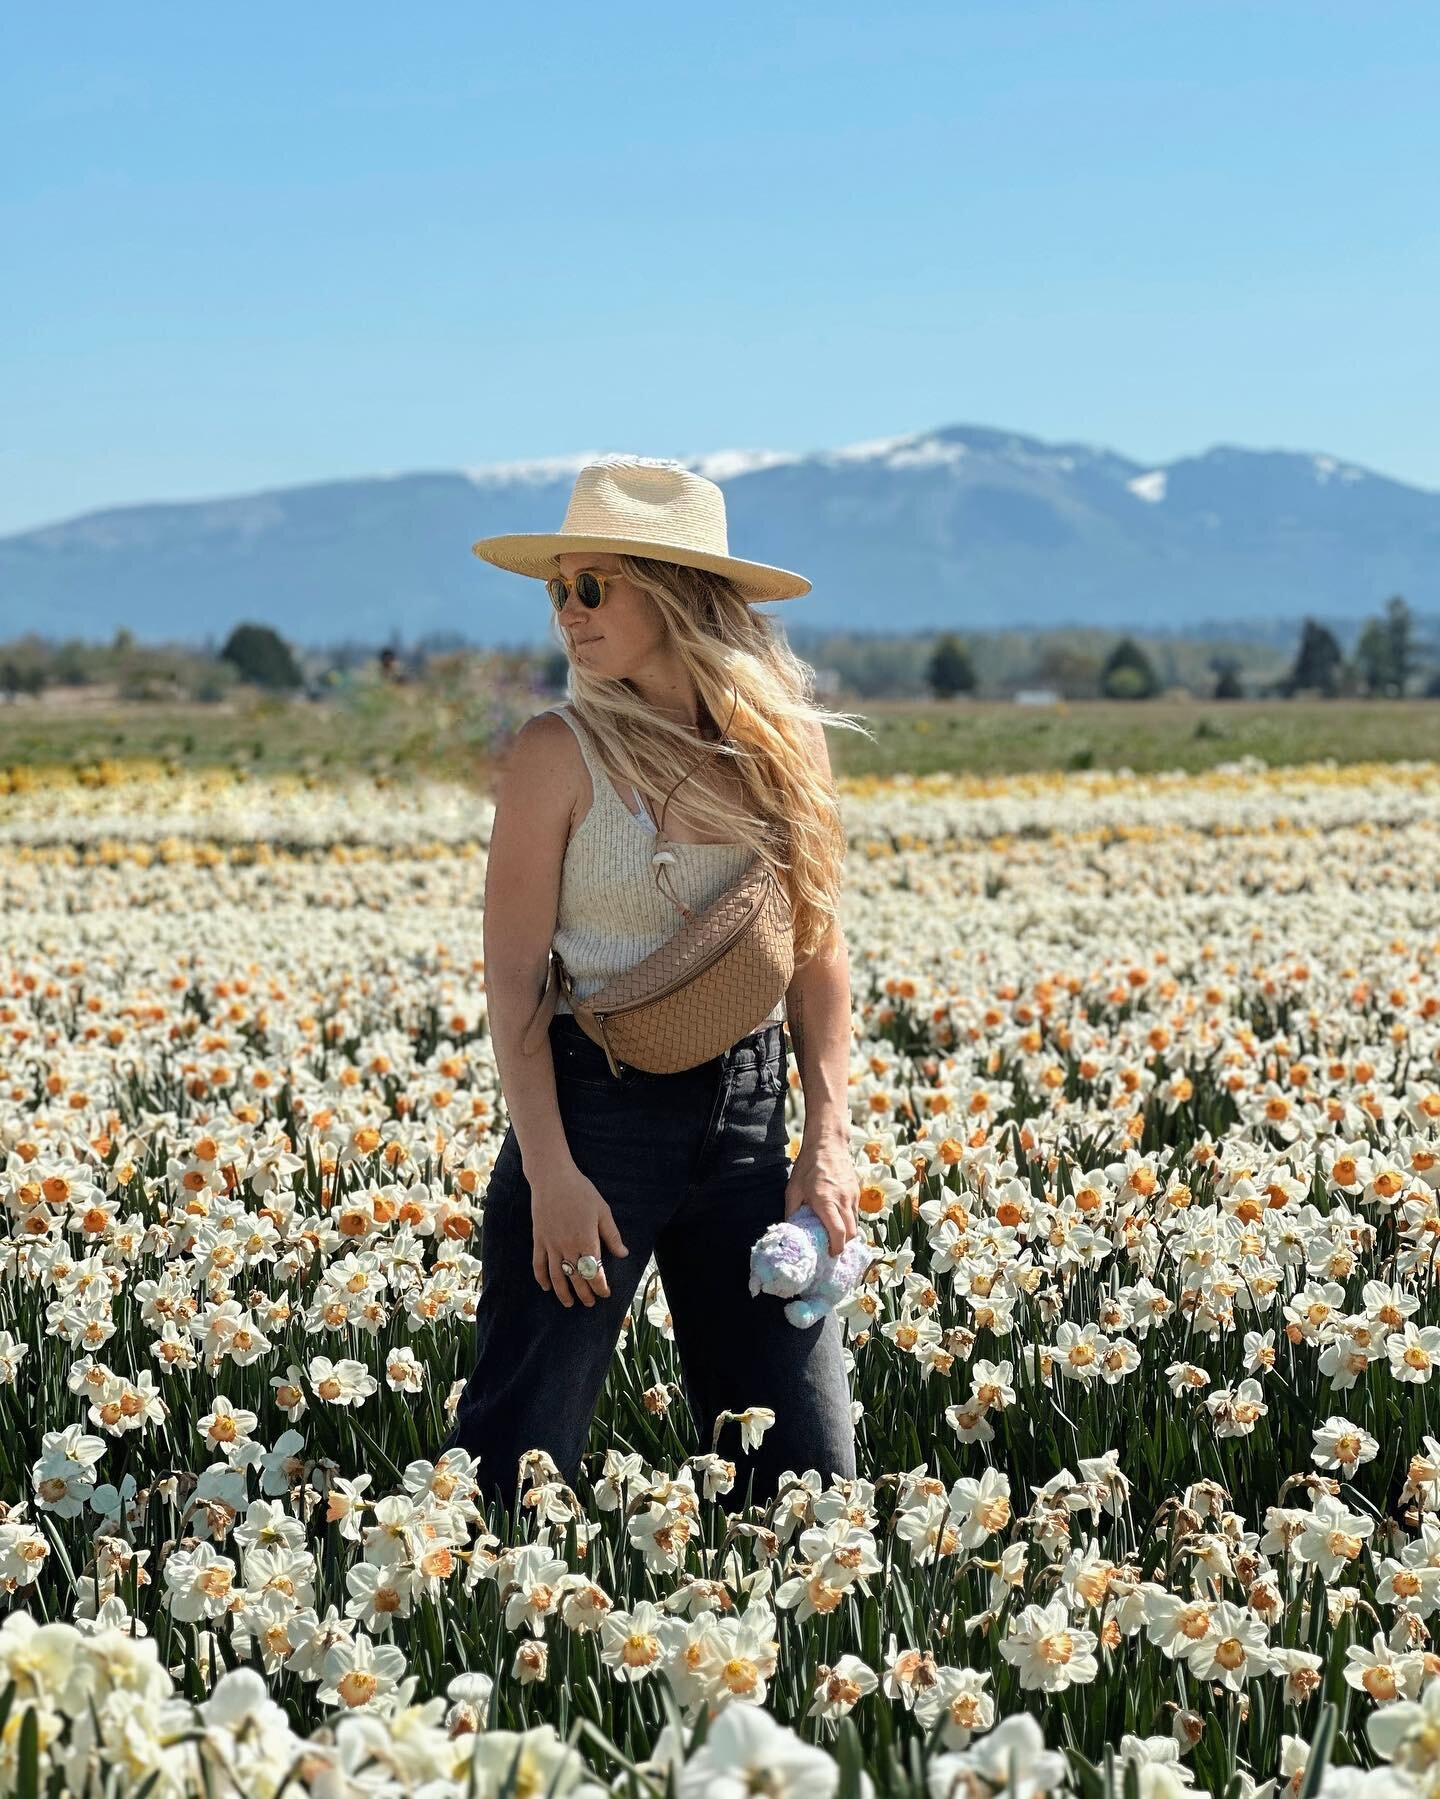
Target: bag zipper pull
(600, 1018)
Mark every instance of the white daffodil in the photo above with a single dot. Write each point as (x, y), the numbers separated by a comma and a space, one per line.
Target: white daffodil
(1382, 1671)
(63, 1478)
(534, 1596)
(1236, 1648)
(753, 1423)
(345, 1505)
(360, 1673)
(1343, 1446)
(200, 1583)
(379, 1594)
(1413, 1351)
(225, 1424)
(346, 1382)
(633, 1643)
(1048, 1650)
(979, 1507)
(1407, 1734)
(663, 1534)
(1332, 1538)
(530, 1664)
(621, 1476)
(742, 1655)
(747, 1751)
(533, 1761)
(840, 1687)
(959, 1700)
(1010, 1760)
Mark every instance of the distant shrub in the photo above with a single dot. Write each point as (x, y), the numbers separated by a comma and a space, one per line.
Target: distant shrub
(261, 655)
(950, 670)
(1128, 673)
(1128, 684)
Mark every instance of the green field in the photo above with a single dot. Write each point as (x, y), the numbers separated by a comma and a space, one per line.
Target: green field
(414, 732)
(998, 738)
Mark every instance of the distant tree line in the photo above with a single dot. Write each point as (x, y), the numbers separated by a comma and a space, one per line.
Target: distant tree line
(1389, 661)
(1388, 656)
(253, 655)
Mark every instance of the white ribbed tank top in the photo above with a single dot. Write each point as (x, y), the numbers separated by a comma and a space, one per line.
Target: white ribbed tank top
(611, 914)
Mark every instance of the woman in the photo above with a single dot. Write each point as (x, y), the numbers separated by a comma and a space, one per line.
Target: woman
(596, 1172)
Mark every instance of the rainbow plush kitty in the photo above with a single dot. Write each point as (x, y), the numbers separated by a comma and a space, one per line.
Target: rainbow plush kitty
(792, 1260)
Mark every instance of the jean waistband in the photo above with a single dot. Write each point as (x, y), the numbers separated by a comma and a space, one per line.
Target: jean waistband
(762, 1048)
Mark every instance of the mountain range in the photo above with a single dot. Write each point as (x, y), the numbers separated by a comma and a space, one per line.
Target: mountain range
(965, 527)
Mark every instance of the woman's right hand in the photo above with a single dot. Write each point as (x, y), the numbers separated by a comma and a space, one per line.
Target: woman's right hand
(571, 1219)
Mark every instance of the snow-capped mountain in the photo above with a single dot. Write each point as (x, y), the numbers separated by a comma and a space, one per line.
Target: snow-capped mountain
(960, 527)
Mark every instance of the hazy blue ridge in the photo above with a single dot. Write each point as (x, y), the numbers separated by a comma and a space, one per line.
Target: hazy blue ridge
(961, 527)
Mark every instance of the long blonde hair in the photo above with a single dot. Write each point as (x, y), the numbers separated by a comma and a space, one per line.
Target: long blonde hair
(752, 687)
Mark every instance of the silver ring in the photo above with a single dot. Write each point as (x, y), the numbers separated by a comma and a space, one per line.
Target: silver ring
(569, 1267)
(589, 1267)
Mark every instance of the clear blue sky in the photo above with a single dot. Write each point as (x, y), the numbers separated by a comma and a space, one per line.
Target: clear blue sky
(253, 246)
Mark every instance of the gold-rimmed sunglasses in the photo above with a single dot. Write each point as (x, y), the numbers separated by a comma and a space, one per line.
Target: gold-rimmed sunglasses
(589, 585)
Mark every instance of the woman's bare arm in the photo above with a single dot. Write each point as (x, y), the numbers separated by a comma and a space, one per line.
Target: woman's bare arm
(534, 802)
(818, 1011)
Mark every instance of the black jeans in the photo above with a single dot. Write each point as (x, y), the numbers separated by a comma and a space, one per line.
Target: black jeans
(693, 1167)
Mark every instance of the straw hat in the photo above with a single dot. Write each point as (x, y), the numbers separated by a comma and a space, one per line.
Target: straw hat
(643, 506)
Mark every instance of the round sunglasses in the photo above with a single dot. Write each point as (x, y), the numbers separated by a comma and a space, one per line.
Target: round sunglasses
(589, 587)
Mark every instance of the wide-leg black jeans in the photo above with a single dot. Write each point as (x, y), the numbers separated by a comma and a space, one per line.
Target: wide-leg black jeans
(694, 1167)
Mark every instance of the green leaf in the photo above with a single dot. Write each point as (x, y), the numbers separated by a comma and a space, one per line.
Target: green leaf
(917, 1763)
(850, 1755)
(1319, 1758)
(906, 1609)
(1091, 1781)
(492, 1710)
(670, 1700)
(584, 1727)
(512, 1779)
(27, 1767)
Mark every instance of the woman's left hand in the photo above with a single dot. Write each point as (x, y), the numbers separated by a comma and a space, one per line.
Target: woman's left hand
(823, 1175)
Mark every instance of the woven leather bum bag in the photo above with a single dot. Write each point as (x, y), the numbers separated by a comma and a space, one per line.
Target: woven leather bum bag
(716, 980)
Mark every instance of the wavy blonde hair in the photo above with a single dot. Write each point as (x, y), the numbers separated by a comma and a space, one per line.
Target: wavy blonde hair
(760, 695)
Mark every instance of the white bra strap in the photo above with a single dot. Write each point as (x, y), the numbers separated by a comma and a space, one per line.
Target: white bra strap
(598, 776)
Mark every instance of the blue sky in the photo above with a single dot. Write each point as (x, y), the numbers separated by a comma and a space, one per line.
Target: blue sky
(249, 247)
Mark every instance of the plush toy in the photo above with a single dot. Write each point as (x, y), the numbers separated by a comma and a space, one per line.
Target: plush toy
(792, 1260)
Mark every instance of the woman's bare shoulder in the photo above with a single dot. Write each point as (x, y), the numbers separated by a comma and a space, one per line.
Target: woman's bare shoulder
(542, 765)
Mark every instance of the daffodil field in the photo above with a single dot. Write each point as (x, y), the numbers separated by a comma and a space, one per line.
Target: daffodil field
(1145, 1093)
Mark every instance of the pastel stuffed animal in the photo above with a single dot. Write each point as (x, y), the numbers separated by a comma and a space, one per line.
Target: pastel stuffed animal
(792, 1260)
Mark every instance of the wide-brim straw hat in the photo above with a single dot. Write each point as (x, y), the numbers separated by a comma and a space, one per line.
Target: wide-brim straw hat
(643, 506)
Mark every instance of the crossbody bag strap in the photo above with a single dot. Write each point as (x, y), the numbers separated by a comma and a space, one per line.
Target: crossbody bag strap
(663, 859)
(557, 979)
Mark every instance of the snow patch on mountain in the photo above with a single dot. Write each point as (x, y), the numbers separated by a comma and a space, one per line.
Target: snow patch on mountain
(917, 449)
(536, 472)
(876, 449)
(927, 452)
(726, 465)
(912, 450)
(1327, 468)
(1150, 486)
